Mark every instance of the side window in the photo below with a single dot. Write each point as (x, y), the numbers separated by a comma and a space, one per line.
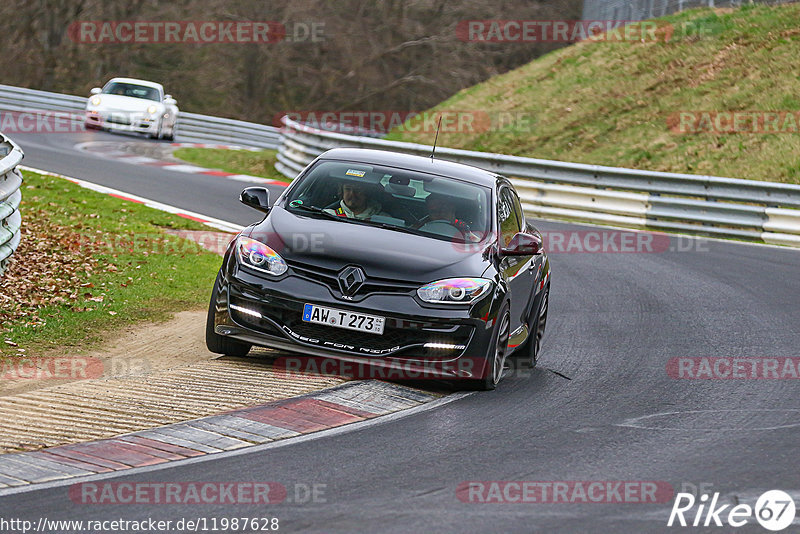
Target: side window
(507, 216)
(518, 210)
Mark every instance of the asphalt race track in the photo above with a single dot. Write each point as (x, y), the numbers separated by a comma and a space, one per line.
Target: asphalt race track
(589, 412)
(200, 193)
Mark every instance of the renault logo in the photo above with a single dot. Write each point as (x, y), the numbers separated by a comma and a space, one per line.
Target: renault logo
(350, 279)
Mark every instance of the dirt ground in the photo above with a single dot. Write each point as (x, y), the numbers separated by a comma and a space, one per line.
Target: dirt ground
(150, 375)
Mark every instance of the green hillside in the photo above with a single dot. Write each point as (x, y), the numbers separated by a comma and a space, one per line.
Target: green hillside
(619, 103)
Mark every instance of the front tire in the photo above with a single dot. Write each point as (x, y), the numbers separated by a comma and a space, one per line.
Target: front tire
(528, 354)
(221, 344)
(496, 355)
(156, 135)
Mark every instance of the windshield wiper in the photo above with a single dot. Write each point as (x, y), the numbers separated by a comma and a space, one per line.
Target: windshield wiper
(388, 226)
(321, 211)
(315, 209)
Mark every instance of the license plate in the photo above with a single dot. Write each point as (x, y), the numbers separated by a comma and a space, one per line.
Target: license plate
(361, 322)
(119, 120)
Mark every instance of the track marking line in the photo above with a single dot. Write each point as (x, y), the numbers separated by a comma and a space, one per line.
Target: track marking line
(102, 149)
(199, 217)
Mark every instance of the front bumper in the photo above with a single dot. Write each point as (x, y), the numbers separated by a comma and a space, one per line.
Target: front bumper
(434, 342)
(123, 122)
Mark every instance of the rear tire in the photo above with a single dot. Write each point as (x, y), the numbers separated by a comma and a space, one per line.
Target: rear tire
(221, 344)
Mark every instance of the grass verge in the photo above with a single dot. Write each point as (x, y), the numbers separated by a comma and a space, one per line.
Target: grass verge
(255, 163)
(620, 103)
(89, 263)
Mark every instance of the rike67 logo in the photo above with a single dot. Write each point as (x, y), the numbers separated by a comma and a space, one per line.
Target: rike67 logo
(774, 510)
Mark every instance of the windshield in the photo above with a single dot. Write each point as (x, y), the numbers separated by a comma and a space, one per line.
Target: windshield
(397, 199)
(132, 90)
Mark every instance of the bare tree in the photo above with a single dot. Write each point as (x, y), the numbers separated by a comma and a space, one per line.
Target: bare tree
(386, 55)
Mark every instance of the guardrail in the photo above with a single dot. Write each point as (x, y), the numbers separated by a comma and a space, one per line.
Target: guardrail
(196, 128)
(10, 197)
(684, 203)
(703, 205)
(191, 127)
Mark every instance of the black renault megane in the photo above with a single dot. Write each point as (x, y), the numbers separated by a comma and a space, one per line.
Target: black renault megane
(385, 259)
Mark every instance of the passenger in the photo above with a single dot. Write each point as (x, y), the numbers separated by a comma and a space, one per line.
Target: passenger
(357, 202)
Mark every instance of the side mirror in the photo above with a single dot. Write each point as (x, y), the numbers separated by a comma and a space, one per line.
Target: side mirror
(168, 100)
(95, 91)
(522, 244)
(255, 197)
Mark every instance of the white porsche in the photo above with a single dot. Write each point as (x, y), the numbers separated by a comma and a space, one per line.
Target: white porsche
(131, 105)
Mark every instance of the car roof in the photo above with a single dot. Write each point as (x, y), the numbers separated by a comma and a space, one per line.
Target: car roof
(415, 163)
(138, 82)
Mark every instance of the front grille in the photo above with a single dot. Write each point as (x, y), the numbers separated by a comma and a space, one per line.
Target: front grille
(372, 285)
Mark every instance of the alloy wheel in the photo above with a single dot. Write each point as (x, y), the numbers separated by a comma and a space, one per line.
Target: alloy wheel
(501, 349)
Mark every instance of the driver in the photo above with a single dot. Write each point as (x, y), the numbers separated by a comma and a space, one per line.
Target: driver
(358, 202)
(442, 208)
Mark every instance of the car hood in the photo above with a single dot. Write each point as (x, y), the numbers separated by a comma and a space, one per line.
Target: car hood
(380, 252)
(125, 103)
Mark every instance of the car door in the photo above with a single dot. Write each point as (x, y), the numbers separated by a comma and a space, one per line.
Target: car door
(518, 271)
(537, 264)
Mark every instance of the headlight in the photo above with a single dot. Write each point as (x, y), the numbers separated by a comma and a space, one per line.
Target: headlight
(152, 110)
(95, 100)
(454, 290)
(256, 255)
